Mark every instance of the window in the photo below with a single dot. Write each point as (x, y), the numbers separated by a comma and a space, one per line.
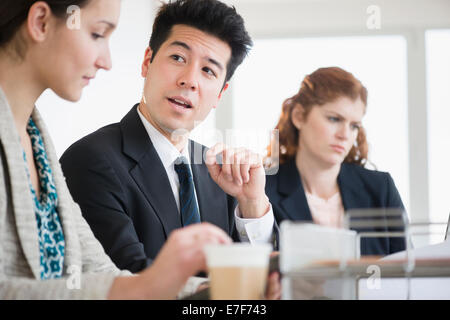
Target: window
(438, 92)
(275, 68)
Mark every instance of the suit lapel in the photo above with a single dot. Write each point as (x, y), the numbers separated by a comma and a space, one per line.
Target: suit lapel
(355, 196)
(294, 204)
(22, 202)
(352, 190)
(149, 172)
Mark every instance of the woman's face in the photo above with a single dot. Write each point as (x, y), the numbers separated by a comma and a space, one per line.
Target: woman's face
(71, 57)
(329, 131)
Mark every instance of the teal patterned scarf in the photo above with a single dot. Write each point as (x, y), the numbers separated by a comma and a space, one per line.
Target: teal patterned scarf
(51, 237)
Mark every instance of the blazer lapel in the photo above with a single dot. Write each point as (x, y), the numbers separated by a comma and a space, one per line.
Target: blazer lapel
(352, 190)
(20, 191)
(355, 196)
(294, 204)
(149, 172)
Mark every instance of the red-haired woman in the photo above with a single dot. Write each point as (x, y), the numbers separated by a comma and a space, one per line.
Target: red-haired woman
(323, 150)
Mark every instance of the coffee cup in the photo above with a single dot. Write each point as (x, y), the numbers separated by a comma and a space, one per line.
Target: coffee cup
(238, 271)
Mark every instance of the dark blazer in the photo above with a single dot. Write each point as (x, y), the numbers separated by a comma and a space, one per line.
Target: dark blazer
(359, 188)
(120, 183)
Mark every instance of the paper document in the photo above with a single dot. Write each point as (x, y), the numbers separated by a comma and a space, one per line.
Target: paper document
(440, 251)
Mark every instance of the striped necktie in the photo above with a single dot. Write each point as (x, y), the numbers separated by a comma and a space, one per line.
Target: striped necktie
(188, 205)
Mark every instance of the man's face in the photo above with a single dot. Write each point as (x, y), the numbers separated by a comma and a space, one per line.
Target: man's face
(185, 79)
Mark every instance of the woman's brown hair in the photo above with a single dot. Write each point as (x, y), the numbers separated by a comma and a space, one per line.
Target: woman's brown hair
(320, 87)
(13, 13)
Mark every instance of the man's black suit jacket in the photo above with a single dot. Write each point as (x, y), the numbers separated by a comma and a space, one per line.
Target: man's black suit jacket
(120, 183)
(360, 188)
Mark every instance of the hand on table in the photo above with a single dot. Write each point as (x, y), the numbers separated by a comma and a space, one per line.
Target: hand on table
(182, 256)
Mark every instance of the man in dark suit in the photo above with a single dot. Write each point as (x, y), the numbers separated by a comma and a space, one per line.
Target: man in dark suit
(138, 180)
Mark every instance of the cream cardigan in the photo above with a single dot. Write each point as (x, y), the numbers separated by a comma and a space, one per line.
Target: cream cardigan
(19, 252)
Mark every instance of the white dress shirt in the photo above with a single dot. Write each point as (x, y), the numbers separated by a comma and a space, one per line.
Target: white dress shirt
(250, 230)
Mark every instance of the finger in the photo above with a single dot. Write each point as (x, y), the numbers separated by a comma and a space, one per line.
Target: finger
(255, 160)
(213, 152)
(201, 235)
(277, 294)
(274, 287)
(245, 167)
(240, 166)
(208, 232)
(211, 161)
(236, 167)
(274, 253)
(202, 286)
(227, 161)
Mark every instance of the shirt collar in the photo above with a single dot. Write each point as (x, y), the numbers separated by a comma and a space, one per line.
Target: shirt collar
(165, 149)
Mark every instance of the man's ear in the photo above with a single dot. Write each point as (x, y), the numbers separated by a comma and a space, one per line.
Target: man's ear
(225, 87)
(297, 116)
(38, 21)
(146, 62)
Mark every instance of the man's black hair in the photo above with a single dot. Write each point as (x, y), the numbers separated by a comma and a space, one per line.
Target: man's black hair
(210, 16)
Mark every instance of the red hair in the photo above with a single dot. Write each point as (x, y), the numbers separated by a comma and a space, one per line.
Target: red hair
(320, 87)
